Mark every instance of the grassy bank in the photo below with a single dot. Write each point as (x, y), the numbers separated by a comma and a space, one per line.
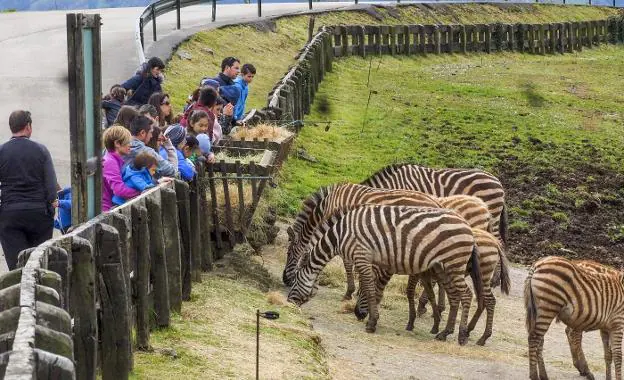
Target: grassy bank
(549, 126)
(214, 337)
(272, 47)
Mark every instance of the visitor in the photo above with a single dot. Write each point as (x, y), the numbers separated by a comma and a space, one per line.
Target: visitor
(112, 103)
(138, 175)
(125, 116)
(230, 67)
(117, 140)
(248, 72)
(141, 130)
(27, 190)
(162, 103)
(205, 102)
(177, 135)
(146, 81)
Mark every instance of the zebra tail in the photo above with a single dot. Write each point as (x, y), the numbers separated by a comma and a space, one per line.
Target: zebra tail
(504, 272)
(475, 274)
(529, 303)
(502, 226)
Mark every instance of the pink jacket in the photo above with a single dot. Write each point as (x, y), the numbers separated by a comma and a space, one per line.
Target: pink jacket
(112, 184)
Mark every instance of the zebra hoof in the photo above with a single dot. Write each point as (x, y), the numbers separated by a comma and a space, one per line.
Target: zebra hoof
(441, 336)
(371, 328)
(434, 330)
(409, 327)
(346, 298)
(462, 339)
(588, 375)
(481, 342)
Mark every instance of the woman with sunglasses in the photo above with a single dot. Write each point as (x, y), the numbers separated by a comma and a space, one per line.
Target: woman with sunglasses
(162, 102)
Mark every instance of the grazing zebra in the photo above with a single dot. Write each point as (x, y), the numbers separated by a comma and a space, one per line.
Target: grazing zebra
(584, 296)
(330, 199)
(402, 240)
(447, 182)
(490, 254)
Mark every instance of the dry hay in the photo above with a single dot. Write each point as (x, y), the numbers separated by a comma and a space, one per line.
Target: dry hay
(234, 200)
(276, 298)
(244, 159)
(262, 131)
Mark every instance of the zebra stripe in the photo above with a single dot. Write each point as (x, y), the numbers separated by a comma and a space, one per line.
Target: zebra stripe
(491, 253)
(402, 240)
(583, 295)
(447, 182)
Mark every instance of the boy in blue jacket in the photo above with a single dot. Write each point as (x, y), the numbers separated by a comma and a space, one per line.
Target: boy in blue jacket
(248, 72)
(63, 221)
(138, 175)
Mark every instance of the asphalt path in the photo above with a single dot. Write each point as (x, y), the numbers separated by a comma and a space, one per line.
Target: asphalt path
(33, 61)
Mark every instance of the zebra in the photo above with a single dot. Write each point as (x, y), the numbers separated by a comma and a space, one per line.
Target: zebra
(490, 254)
(584, 296)
(330, 199)
(447, 182)
(402, 240)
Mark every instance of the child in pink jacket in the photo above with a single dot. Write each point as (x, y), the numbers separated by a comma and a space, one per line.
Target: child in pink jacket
(117, 142)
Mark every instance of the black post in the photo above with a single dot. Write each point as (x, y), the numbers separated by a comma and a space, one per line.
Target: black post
(214, 10)
(178, 13)
(257, 344)
(310, 3)
(141, 32)
(154, 21)
(259, 8)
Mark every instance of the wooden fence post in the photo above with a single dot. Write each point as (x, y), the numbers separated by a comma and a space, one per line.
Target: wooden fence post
(141, 237)
(158, 262)
(82, 302)
(116, 348)
(171, 230)
(196, 223)
(182, 196)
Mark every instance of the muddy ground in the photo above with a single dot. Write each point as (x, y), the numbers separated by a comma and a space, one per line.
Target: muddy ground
(394, 353)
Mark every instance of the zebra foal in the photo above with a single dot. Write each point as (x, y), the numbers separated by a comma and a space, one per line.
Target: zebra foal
(585, 296)
(402, 240)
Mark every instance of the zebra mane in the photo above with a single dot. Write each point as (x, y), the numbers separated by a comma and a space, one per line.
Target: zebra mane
(309, 205)
(382, 172)
(327, 225)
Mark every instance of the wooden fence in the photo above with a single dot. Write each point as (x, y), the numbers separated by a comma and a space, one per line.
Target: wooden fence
(292, 96)
(73, 303)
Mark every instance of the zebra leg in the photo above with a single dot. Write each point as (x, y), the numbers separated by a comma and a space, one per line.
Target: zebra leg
(536, 345)
(422, 303)
(604, 334)
(367, 285)
(410, 292)
(427, 284)
(490, 304)
(455, 296)
(616, 351)
(466, 300)
(540, 359)
(348, 265)
(575, 339)
(441, 299)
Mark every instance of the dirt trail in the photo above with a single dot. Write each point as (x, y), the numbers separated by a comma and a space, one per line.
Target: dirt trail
(394, 353)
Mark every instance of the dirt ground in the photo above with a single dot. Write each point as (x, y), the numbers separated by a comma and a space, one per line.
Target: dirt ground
(394, 353)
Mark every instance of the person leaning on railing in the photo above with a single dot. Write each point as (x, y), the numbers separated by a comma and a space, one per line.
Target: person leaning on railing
(146, 81)
(27, 190)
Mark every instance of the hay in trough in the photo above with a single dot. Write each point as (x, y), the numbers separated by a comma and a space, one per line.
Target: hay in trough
(244, 159)
(262, 131)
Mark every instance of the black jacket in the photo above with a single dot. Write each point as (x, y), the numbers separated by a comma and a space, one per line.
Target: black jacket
(27, 177)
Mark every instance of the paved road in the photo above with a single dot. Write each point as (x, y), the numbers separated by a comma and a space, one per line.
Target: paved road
(33, 61)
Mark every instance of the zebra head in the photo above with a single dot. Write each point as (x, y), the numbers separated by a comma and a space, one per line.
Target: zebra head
(361, 306)
(305, 286)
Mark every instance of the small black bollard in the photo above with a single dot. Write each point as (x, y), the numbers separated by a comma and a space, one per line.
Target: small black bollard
(267, 315)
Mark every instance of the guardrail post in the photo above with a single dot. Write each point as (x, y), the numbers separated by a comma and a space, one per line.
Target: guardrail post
(154, 21)
(259, 8)
(214, 10)
(178, 13)
(310, 4)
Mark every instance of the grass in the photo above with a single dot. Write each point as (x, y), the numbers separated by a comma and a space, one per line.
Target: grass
(255, 45)
(214, 337)
(10, 10)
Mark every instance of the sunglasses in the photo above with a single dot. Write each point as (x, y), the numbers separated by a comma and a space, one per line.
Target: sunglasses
(165, 102)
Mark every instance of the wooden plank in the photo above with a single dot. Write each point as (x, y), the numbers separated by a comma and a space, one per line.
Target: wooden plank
(228, 204)
(215, 216)
(184, 214)
(116, 348)
(171, 232)
(141, 237)
(241, 202)
(158, 261)
(82, 299)
(196, 224)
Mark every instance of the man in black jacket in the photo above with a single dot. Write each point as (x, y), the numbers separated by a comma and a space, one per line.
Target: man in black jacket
(27, 190)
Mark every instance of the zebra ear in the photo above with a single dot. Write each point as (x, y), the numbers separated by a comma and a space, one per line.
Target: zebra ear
(291, 233)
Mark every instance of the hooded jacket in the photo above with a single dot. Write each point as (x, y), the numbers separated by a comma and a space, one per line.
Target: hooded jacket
(165, 168)
(243, 87)
(112, 182)
(139, 180)
(143, 84)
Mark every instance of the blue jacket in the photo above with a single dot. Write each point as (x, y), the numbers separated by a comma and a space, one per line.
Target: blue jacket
(143, 86)
(64, 210)
(186, 170)
(136, 179)
(165, 168)
(111, 109)
(239, 110)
